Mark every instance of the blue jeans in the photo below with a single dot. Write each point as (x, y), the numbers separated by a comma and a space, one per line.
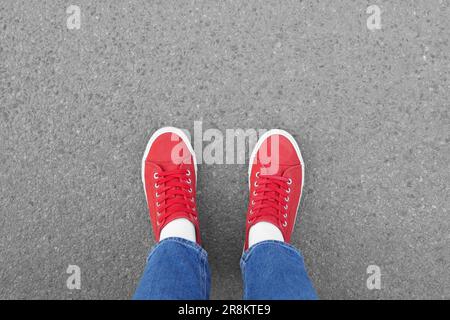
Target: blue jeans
(178, 269)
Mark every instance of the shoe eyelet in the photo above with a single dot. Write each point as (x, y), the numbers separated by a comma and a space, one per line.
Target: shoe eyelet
(255, 184)
(188, 173)
(285, 215)
(158, 213)
(254, 193)
(157, 223)
(156, 185)
(285, 224)
(251, 211)
(192, 199)
(193, 209)
(155, 175)
(156, 194)
(249, 221)
(190, 190)
(257, 174)
(286, 199)
(253, 202)
(188, 181)
(289, 181)
(285, 207)
(288, 190)
(195, 218)
(158, 204)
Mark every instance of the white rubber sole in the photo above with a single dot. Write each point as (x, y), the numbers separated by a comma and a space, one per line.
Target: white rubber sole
(154, 136)
(297, 150)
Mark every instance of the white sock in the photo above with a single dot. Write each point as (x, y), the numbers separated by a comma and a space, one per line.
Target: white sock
(264, 231)
(181, 228)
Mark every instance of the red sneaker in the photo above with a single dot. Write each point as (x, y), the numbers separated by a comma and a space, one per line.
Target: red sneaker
(169, 175)
(276, 172)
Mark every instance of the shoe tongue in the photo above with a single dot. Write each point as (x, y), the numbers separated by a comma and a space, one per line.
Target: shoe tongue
(269, 212)
(176, 210)
(267, 218)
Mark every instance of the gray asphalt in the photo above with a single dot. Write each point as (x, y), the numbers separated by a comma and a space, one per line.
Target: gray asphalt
(370, 110)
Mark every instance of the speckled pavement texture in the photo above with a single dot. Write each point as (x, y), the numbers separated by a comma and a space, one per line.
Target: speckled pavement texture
(369, 109)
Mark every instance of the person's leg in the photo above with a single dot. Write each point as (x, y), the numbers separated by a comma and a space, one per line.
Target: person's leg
(177, 267)
(275, 270)
(271, 268)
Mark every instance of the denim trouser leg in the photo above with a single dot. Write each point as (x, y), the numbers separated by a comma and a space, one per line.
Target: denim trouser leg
(275, 270)
(176, 269)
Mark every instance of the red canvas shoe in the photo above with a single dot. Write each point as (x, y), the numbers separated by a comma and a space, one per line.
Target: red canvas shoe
(276, 172)
(169, 175)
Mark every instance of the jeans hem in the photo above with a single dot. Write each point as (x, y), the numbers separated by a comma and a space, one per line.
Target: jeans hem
(184, 242)
(247, 254)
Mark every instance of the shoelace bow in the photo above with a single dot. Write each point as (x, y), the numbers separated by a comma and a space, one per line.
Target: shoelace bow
(173, 194)
(270, 198)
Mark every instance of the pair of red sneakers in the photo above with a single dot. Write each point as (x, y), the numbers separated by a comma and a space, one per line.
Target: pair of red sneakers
(276, 172)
